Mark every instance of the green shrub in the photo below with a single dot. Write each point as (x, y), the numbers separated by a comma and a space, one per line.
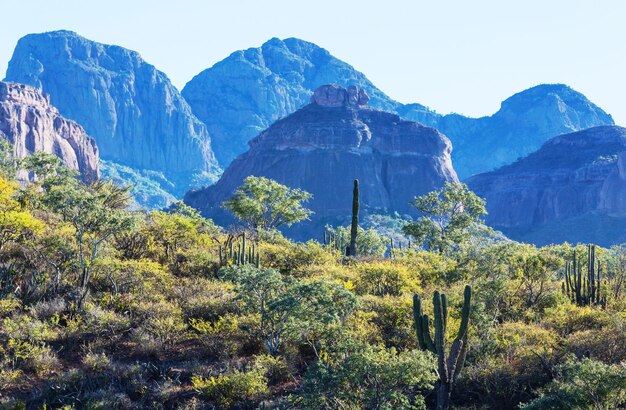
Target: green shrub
(386, 278)
(369, 377)
(584, 384)
(228, 389)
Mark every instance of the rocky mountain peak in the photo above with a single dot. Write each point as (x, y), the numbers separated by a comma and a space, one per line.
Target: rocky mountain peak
(328, 143)
(30, 123)
(333, 95)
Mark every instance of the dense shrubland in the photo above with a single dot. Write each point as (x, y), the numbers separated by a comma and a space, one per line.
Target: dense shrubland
(105, 308)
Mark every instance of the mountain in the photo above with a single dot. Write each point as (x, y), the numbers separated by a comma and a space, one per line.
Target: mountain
(324, 146)
(245, 93)
(524, 122)
(30, 123)
(572, 189)
(135, 114)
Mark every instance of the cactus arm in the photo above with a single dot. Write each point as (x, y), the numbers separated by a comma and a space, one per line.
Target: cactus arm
(430, 345)
(417, 319)
(444, 311)
(439, 337)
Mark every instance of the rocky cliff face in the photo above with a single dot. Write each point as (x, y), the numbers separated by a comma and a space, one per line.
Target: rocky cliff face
(324, 146)
(30, 123)
(245, 93)
(524, 122)
(572, 189)
(135, 114)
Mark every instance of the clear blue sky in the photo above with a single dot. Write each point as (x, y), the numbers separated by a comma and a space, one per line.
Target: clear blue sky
(454, 56)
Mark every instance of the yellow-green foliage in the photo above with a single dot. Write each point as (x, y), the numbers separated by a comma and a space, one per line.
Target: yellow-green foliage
(124, 316)
(9, 305)
(292, 258)
(521, 340)
(393, 317)
(15, 223)
(386, 278)
(568, 318)
(234, 387)
(207, 299)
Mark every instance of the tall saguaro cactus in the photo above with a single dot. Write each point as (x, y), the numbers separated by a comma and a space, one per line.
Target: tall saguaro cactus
(449, 367)
(354, 229)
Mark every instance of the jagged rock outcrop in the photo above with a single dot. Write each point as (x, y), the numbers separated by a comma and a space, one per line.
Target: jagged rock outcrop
(322, 148)
(30, 123)
(135, 114)
(245, 93)
(572, 189)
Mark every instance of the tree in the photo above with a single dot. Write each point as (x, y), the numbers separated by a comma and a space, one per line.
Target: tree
(285, 304)
(265, 204)
(447, 215)
(96, 211)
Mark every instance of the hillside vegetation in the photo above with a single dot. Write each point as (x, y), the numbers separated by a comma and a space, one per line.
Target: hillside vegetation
(105, 308)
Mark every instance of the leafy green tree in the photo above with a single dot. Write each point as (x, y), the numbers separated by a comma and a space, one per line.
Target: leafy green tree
(96, 211)
(265, 204)
(584, 384)
(285, 304)
(447, 215)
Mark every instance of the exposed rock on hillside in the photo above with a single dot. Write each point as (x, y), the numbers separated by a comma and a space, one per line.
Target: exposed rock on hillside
(324, 146)
(30, 124)
(132, 110)
(572, 189)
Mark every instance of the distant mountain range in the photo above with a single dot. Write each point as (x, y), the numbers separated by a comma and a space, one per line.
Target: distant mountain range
(239, 114)
(245, 93)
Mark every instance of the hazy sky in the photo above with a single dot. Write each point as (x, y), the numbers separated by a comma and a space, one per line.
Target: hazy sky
(453, 56)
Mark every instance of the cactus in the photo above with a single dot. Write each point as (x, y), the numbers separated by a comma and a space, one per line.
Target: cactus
(242, 251)
(584, 290)
(354, 228)
(448, 367)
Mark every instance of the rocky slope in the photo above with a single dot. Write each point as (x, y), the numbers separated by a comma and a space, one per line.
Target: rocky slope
(324, 146)
(245, 93)
(572, 189)
(30, 123)
(135, 114)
